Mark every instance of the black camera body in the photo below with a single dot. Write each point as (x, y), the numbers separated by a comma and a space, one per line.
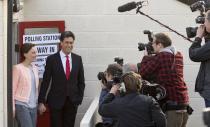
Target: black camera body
(119, 60)
(199, 5)
(148, 46)
(117, 78)
(191, 31)
(200, 19)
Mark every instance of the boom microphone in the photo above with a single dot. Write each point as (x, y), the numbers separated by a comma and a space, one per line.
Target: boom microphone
(127, 7)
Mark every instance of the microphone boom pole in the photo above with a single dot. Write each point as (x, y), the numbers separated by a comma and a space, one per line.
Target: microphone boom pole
(142, 13)
(132, 5)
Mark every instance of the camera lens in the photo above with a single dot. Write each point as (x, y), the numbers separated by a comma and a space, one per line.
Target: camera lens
(191, 31)
(141, 46)
(200, 20)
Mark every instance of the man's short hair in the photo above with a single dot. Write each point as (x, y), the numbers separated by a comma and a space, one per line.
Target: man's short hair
(163, 38)
(66, 34)
(114, 69)
(129, 67)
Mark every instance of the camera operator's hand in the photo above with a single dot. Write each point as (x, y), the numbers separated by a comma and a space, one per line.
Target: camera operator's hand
(201, 31)
(115, 89)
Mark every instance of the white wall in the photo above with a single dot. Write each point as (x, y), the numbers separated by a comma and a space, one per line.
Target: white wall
(102, 33)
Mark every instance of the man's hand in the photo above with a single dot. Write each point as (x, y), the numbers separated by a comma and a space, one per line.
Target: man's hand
(41, 108)
(115, 89)
(201, 31)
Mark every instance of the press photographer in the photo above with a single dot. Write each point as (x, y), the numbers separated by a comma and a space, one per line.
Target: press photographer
(167, 65)
(110, 77)
(102, 75)
(133, 109)
(149, 87)
(201, 53)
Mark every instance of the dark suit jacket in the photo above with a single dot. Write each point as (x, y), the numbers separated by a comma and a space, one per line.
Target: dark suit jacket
(60, 86)
(133, 110)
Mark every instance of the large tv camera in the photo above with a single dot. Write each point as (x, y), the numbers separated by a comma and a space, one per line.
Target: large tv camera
(201, 6)
(147, 46)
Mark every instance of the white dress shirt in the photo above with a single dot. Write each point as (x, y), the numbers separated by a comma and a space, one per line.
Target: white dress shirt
(63, 59)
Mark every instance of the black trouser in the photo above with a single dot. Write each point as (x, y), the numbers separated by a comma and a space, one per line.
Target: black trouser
(64, 117)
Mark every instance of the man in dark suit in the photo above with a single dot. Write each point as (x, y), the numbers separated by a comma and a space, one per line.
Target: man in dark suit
(64, 70)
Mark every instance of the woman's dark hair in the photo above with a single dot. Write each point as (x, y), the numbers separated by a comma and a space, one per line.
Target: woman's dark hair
(25, 48)
(66, 34)
(114, 69)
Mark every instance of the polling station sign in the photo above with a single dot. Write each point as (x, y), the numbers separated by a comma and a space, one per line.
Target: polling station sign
(42, 52)
(41, 38)
(46, 44)
(46, 49)
(40, 63)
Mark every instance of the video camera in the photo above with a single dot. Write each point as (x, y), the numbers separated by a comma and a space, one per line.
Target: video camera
(148, 46)
(201, 6)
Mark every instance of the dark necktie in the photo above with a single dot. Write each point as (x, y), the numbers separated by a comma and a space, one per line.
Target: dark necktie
(67, 67)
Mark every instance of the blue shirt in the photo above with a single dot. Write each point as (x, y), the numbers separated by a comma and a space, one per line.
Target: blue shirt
(103, 94)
